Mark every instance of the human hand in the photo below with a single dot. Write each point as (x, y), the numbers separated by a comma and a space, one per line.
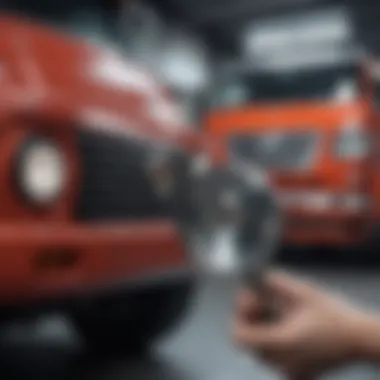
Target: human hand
(311, 333)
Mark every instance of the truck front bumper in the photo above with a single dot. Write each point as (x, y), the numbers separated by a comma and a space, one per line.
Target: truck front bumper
(328, 229)
(48, 261)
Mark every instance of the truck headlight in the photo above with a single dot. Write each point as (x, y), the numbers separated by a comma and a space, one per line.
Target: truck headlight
(41, 171)
(352, 142)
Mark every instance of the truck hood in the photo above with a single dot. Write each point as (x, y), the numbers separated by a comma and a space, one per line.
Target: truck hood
(92, 84)
(292, 116)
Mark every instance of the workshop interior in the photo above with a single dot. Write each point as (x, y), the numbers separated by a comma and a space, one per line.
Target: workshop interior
(158, 155)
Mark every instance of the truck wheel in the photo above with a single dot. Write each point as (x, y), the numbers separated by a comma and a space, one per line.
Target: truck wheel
(129, 323)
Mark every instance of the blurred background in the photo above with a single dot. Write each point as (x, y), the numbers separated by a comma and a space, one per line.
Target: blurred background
(290, 84)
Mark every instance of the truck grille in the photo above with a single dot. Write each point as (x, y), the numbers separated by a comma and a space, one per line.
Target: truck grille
(277, 151)
(115, 185)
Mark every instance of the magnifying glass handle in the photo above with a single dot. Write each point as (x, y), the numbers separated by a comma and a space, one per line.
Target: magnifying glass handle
(268, 312)
(256, 283)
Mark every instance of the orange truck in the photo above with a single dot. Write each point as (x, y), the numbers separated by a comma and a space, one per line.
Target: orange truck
(95, 170)
(316, 131)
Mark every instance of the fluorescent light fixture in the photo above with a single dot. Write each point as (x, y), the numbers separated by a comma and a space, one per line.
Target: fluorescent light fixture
(331, 26)
(294, 60)
(296, 36)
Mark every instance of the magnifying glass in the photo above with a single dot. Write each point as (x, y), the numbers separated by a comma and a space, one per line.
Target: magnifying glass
(238, 228)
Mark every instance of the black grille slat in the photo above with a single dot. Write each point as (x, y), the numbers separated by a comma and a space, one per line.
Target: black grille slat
(115, 184)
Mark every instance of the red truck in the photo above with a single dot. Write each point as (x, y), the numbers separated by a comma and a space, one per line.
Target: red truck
(108, 199)
(95, 174)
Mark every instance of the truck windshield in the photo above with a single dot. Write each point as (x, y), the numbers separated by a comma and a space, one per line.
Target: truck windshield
(326, 84)
(95, 20)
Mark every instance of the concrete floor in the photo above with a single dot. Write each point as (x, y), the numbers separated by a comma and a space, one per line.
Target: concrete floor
(198, 350)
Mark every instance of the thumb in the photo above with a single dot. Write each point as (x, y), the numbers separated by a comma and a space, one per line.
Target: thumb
(302, 377)
(260, 336)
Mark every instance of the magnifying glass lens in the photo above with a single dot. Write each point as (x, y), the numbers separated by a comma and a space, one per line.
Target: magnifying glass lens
(235, 225)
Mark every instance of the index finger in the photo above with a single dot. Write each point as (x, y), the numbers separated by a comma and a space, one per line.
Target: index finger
(260, 336)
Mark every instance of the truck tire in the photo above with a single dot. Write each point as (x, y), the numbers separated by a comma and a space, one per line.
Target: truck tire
(129, 323)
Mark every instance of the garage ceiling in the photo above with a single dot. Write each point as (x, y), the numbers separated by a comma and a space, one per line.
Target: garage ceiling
(220, 22)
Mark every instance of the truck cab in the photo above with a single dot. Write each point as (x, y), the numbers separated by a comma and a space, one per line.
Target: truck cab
(315, 130)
